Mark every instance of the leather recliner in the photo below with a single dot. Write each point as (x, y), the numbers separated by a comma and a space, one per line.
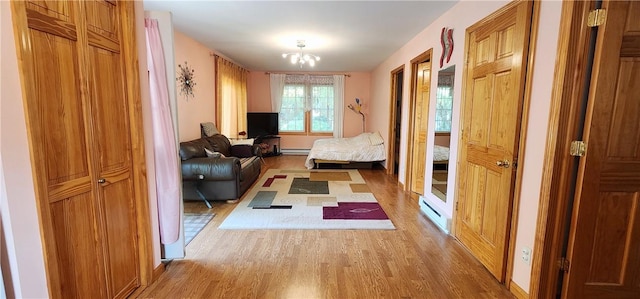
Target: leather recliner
(222, 177)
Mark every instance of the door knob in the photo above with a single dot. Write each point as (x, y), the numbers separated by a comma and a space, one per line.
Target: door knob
(102, 180)
(504, 163)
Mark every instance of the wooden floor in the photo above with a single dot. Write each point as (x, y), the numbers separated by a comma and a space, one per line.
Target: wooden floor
(416, 260)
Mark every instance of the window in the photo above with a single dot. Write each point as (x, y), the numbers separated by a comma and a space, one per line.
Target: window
(307, 105)
(444, 104)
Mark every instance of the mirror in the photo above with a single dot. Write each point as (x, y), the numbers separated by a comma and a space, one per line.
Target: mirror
(442, 128)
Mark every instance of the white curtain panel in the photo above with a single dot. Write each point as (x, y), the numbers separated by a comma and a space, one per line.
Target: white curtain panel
(338, 105)
(277, 82)
(164, 142)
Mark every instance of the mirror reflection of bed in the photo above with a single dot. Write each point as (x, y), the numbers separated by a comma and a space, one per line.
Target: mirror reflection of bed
(442, 138)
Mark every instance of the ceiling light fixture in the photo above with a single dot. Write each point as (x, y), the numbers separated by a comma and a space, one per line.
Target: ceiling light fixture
(301, 58)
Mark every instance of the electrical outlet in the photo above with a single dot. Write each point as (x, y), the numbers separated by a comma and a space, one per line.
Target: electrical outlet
(526, 255)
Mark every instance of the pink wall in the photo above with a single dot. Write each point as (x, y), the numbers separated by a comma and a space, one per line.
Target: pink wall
(546, 51)
(201, 107)
(22, 261)
(443, 140)
(459, 17)
(356, 86)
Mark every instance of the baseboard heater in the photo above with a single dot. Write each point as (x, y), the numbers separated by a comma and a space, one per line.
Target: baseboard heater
(435, 216)
(299, 152)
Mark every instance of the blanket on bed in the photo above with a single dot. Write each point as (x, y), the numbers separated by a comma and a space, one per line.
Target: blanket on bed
(440, 153)
(366, 147)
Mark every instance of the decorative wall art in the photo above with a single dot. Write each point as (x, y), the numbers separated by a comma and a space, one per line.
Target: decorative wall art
(186, 80)
(446, 39)
(357, 108)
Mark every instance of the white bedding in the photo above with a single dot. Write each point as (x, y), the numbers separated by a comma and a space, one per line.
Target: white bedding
(366, 147)
(440, 153)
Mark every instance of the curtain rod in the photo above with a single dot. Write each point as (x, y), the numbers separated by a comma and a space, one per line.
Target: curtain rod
(269, 73)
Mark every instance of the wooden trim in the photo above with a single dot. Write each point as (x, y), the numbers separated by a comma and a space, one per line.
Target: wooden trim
(157, 271)
(145, 242)
(443, 133)
(515, 289)
(391, 138)
(422, 57)
(524, 120)
(305, 134)
(456, 182)
(24, 56)
(556, 188)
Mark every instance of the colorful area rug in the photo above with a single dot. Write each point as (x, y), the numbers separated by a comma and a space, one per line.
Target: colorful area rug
(193, 224)
(309, 199)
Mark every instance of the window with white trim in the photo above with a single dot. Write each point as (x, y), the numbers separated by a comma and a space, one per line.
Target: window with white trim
(307, 105)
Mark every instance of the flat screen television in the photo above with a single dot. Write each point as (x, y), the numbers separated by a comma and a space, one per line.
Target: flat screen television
(261, 124)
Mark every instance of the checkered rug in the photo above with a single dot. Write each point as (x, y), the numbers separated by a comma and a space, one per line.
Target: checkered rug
(309, 199)
(193, 224)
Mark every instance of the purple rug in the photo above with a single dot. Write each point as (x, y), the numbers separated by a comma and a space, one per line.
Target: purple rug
(355, 210)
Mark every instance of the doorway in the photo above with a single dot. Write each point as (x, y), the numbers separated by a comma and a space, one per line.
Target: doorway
(419, 111)
(395, 115)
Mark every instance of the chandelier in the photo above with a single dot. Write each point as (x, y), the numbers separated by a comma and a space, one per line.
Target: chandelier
(301, 58)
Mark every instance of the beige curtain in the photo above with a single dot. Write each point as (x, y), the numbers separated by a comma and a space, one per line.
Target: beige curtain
(231, 97)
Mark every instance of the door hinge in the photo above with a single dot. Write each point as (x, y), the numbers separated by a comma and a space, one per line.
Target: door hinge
(564, 264)
(597, 17)
(578, 148)
(457, 205)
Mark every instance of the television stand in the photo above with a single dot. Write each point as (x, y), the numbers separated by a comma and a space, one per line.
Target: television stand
(273, 142)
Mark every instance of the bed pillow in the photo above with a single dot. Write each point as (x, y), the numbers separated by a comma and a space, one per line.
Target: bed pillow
(375, 138)
(212, 154)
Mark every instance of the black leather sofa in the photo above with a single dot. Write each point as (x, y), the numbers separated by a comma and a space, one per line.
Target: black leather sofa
(221, 177)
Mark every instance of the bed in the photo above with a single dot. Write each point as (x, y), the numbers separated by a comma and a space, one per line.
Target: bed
(440, 157)
(366, 147)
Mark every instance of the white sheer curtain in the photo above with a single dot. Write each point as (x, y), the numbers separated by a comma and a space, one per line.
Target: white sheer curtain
(277, 82)
(165, 147)
(338, 105)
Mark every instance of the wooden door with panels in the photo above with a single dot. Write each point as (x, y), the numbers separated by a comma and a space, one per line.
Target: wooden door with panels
(495, 72)
(74, 78)
(604, 240)
(418, 146)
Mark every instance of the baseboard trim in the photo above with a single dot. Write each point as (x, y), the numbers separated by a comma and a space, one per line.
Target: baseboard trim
(517, 291)
(157, 272)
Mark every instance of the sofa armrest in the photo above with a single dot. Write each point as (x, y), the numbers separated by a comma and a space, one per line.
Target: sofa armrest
(211, 169)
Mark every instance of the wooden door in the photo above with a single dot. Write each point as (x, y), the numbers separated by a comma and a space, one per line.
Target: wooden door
(421, 117)
(493, 96)
(604, 241)
(75, 97)
(112, 148)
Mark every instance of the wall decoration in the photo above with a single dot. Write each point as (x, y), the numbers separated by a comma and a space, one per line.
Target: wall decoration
(357, 108)
(446, 39)
(186, 80)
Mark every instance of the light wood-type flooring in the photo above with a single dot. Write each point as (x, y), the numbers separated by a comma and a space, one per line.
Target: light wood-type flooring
(416, 260)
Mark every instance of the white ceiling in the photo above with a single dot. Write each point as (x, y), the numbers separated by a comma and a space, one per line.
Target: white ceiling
(347, 35)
